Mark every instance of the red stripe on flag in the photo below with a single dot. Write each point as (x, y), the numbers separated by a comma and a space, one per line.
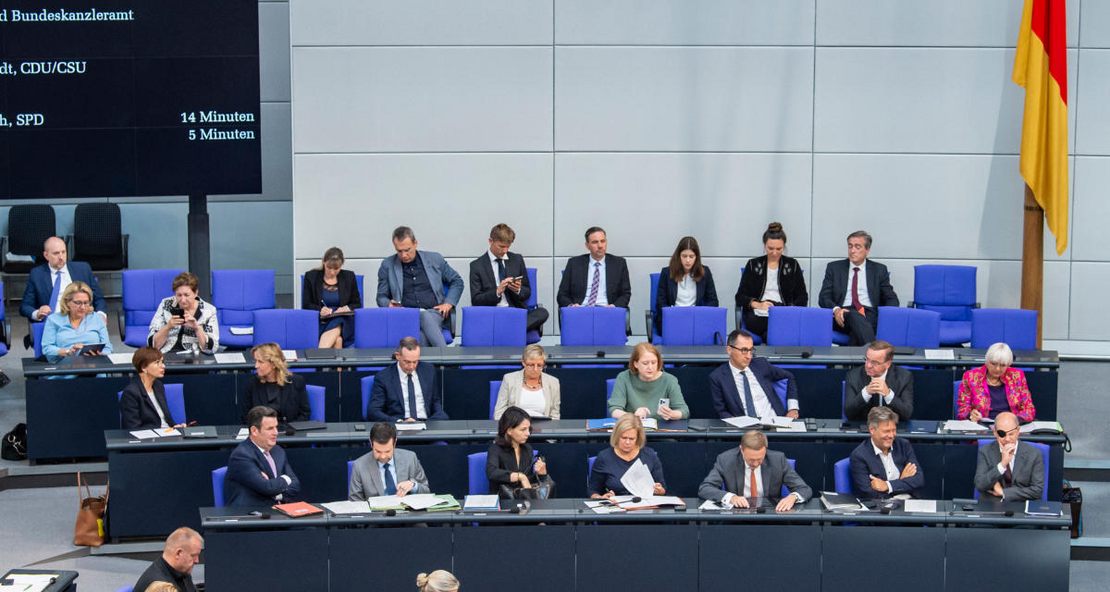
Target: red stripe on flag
(1050, 24)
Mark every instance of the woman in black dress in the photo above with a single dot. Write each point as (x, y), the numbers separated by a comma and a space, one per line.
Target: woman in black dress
(333, 291)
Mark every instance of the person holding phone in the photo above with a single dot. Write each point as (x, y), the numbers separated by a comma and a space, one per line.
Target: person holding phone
(184, 320)
(70, 329)
(645, 390)
(685, 281)
(510, 465)
(499, 277)
(333, 292)
(626, 447)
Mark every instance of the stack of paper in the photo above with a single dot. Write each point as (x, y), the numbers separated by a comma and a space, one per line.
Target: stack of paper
(124, 358)
(638, 480)
(924, 506)
(347, 507)
(940, 354)
(482, 503)
(230, 358)
(963, 425)
(1046, 426)
(411, 427)
(290, 355)
(742, 422)
(603, 507)
(155, 433)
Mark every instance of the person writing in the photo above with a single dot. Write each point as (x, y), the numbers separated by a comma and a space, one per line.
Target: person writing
(751, 473)
(332, 290)
(645, 390)
(626, 446)
(995, 388)
(71, 328)
(386, 469)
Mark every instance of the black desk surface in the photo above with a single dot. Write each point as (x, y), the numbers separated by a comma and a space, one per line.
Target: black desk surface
(66, 580)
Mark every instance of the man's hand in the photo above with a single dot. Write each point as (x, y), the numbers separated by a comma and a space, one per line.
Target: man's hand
(394, 304)
(838, 316)
(878, 484)
(1008, 454)
(878, 386)
(908, 471)
(409, 420)
(504, 285)
(404, 487)
(739, 501)
(43, 311)
(793, 414)
(786, 504)
(516, 285)
(443, 309)
(997, 489)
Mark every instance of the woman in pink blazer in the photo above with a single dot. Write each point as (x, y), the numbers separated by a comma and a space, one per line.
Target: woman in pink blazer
(995, 387)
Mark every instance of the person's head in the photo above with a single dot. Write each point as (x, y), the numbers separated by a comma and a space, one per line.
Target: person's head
(628, 435)
(859, 246)
(753, 447)
(741, 348)
(54, 252)
(774, 242)
(182, 549)
(514, 427)
(999, 358)
(262, 423)
(882, 423)
(534, 360)
(439, 580)
(646, 362)
(1007, 429)
(77, 299)
(596, 242)
(686, 260)
(877, 358)
(332, 262)
(185, 287)
(407, 354)
(269, 363)
(383, 439)
(501, 238)
(404, 242)
(149, 361)
(162, 587)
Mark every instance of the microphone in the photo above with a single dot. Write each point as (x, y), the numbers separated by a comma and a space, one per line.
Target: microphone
(636, 499)
(806, 354)
(600, 353)
(391, 512)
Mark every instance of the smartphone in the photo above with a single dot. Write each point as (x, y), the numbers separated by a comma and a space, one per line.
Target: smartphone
(665, 402)
(177, 311)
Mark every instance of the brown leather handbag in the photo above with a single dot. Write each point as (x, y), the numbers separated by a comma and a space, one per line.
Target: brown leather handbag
(88, 531)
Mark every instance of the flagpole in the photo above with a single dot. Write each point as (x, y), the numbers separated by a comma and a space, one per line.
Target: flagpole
(1032, 260)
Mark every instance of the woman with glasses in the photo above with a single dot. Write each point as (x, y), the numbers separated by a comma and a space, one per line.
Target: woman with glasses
(645, 390)
(74, 325)
(142, 405)
(995, 387)
(531, 389)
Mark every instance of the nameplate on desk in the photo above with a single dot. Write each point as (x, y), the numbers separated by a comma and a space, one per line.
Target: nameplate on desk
(322, 434)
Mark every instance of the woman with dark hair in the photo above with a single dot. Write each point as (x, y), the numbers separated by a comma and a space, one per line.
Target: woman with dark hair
(770, 280)
(333, 291)
(142, 404)
(685, 281)
(510, 466)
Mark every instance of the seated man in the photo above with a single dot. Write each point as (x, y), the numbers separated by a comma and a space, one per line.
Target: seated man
(878, 383)
(745, 385)
(855, 288)
(595, 279)
(753, 472)
(500, 278)
(46, 282)
(386, 469)
(414, 279)
(406, 390)
(884, 466)
(175, 566)
(1008, 470)
(258, 473)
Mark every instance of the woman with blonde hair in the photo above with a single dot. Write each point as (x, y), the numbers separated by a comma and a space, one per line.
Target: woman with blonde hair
(73, 327)
(531, 389)
(275, 387)
(439, 580)
(626, 448)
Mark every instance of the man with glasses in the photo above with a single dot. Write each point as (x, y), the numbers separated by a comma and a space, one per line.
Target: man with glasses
(855, 288)
(1008, 470)
(878, 383)
(746, 385)
(885, 466)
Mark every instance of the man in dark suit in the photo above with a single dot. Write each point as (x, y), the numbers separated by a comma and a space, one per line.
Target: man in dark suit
(595, 279)
(884, 466)
(500, 278)
(407, 390)
(745, 385)
(854, 288)
(258, 474)
(1008, 470)
(753, 472)
(878, 383)
(386, 469)
(46, 282)
(180, 553)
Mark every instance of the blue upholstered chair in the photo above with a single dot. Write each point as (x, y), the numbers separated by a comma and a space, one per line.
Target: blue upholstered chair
(653, 333)
(143, 290)
(593, 325)
(800, 325)
(842, 478)
(476, 474)
(1015, 327)
(695, 325)
(36, 337)
(1042, 448)
(494, 388)
(589, 469)
(175, 400)
(218, 477)
(739, 314)
(237, 293)
(367, 386)
(910, 327)
(316, 402)
(950, 291)
(609, 388)
(384, 327)
(955, 397)
(350, 469)
(533, 335)
(494, 326)
(126, 589)
(5, 326)
(289, 328)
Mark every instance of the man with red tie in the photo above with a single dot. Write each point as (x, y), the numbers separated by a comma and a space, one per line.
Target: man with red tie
(855, 288)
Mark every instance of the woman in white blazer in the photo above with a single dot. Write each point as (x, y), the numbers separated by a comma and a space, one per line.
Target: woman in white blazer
(531, 389)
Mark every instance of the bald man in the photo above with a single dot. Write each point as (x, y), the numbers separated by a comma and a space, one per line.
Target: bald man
(1008, 470)
(175, 566)
(46, 282)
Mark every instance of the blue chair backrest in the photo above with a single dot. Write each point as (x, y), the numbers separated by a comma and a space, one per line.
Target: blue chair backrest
(384, 327)
(843, 399)
(533, 299)
(1042, 448)
(486, 326)
(780, 391)
(589, 469)
(593, 325)
(494, 388)
(785, 492)
(126, 589)
(36, 337)
(175, 400)
(1015, 327)
(695, 325)
(236, 293)
(945, 289)
(143, 289)
(367, 385)
(799, 325)
(653, 285)
(350, 469)
(218, 477)
(291, 329)
(316, 402)
(955, 397)
(476, 474)
(910, 327)
(842, 479)
(609, 388)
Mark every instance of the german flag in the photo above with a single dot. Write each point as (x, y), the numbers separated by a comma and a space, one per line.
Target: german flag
(1041, 67)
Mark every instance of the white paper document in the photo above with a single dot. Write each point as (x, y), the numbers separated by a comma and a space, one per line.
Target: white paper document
(778, 421)
(712, 505)
(918, 505)
(793, 426)
(347, 507)
(124, 358)
(741, 422)
(963, 425)
(230, 358)
(383, 501)
(603, 507)
(638, 480)
(243, 433)
(144, 434)
(1042, 425)
(30, 582)
(411, 427)
(481, 502)
(940, 354)
(654, 502)
(241, 330)
(421, 501)
(290, 355)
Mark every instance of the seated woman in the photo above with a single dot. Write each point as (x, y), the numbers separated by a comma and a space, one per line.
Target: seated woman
(275, 387)
(685, 281)
(626, 446)
(74, 326)
(184, 319)
(143, 402)
(531, 389)
(510, 466)
(332, 290)
(770, 280)
(995, 387)
(645, 390)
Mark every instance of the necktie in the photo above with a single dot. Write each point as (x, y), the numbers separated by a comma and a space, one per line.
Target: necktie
(500, 270)
(856, 304)
(749, 402)
(270, 461)
(592, 300)
(1008, 477)
(56, 291)
(755, 483)
(412, 398)
(390, 485)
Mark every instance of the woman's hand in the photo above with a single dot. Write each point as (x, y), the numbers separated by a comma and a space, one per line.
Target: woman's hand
(975, 416)
(343, 309)
(540, 467)
(643, 412)
(524, 482)
(325, 311)
(659, 490)
(669, 414)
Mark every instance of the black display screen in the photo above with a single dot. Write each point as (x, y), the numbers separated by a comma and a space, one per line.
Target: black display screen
(129, 98)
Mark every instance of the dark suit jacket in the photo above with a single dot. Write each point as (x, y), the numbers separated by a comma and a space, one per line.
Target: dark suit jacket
(245, 486)
(135, 409)
(483, 284)
(290, 402)
(40, 285)
(160, 571)
(898, 379)
(313, 289)
(500, 462)
(864, 463)
(575, 283)
(792, 282)
(385, 397)
(727, 400)
(775, 472)
(1028, 473)
(667, 293)
(835, 286)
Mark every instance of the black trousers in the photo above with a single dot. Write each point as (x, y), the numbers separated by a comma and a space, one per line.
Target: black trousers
(859, 328)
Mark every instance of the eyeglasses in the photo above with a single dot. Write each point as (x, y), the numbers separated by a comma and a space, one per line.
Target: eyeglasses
(79, 303)
(1004, 433)
(744, 350)
(535, 365)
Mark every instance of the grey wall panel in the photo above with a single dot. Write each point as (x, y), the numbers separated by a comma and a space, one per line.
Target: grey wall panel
(1090, 283)
(683, 98)
(1090, 104)
(242, 238)
(1094, 28)
(1057, 305)
(422, 99)
(273, 50)
(159, 236)
(1090, 241)
(422, 22)
(723, 200)
(678, 22)
(277, 157)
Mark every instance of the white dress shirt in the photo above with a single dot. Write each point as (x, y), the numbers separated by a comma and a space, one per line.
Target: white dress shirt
(66, 280)
(762, 403)
(393, 473)
(887, 398)
(493, 263)
(157, 408)
(747, 490)
(687, 294)
(420, 409)
(602, 297)
(892, 472)
(864, 296)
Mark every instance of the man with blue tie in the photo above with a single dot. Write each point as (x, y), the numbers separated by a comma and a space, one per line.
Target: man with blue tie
(407, 390)
(745, 385)
(596, 278)
(46, 282)
(258, 473)
(386, 469)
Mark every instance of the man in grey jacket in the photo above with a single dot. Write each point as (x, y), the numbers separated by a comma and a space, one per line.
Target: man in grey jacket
(415, 279)
(386, 469)
(740, 477)
(1008, 470)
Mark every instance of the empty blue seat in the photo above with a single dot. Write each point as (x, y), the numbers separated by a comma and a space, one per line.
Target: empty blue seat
(36, 337)
(316, 402)
(476, 474)
(609, 388)
(593, 325)
(143, 291)
(533, 335)
(237, 293)
(290, 329)
(948, 290)
(218, 477)
(800, 325)
(842, 478)
(384, 327)
(367, 386)
(494, 388)
(1015, 327)
(485, 326)
(652, 312)
(1042, 448)
(695, 325)
(909, 327)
